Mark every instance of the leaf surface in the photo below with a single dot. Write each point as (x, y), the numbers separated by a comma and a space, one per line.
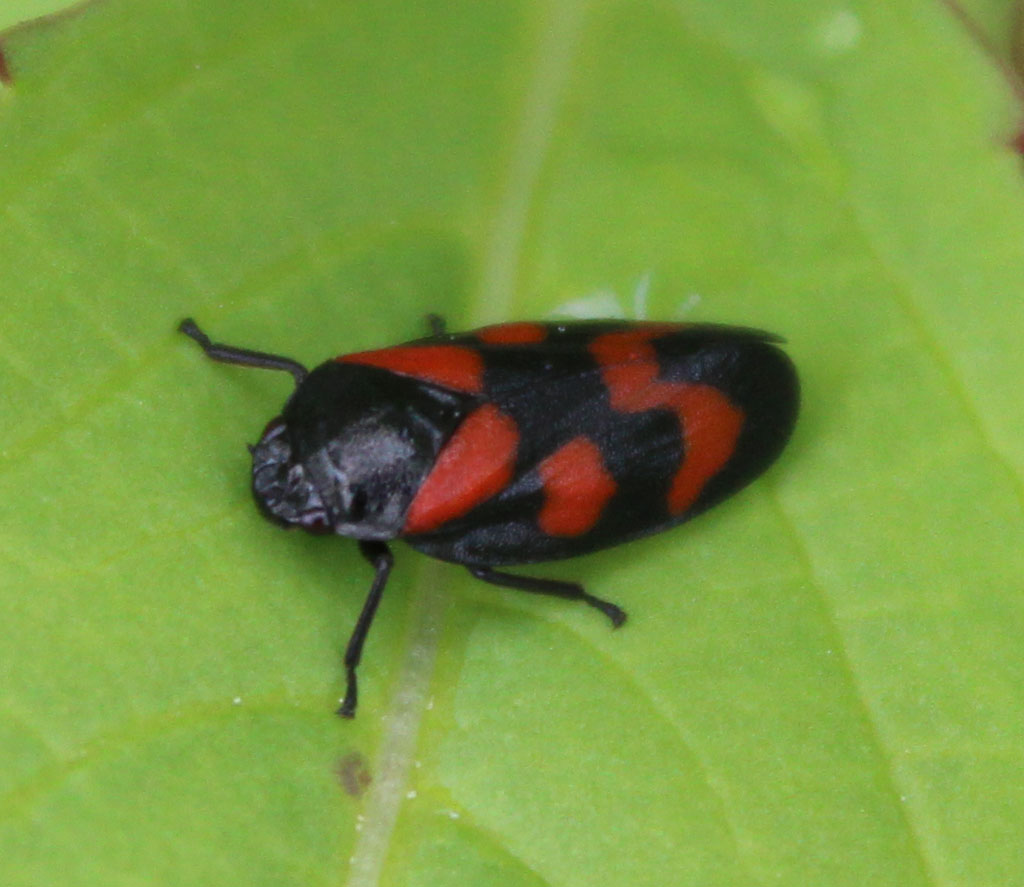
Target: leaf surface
(820, 682)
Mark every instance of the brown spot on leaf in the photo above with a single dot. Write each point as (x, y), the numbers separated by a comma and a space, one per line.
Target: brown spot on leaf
(5, 70)
(354, 774)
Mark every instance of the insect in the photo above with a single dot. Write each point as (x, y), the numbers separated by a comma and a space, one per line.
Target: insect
(517, 443)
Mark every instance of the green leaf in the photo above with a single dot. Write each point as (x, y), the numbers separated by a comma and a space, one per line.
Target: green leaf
(820, 682)
(16, 12)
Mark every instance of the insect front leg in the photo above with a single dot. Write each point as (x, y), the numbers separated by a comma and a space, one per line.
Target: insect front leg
(241, 356)
(570, 590)
(379, 555)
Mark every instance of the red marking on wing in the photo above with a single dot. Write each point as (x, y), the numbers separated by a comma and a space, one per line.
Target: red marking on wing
(5, 71)
(577, 486)
(626, 346)
(475, 464)
(710, 422)
(452, 366)
(512, 334)
(711, 425)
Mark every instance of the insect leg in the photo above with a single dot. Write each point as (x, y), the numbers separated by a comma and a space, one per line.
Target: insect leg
(241, 356)
(570, 590)
(379, 555)
(437, 326)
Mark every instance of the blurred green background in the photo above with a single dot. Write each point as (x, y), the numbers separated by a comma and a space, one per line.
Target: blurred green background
(821, 681)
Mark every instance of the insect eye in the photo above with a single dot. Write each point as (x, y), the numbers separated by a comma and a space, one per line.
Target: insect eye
(357, 510)
(273, 428)
(316, 522)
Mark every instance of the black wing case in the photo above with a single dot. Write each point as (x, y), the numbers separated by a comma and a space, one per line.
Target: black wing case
(623, 430)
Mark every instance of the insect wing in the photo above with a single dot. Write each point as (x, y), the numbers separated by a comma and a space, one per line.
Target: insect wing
(621, 430)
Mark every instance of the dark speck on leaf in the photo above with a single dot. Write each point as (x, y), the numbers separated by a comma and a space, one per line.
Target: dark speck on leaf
(354, 774)
(5, 71)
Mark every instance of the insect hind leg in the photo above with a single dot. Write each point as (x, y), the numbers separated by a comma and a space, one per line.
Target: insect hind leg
(572, 591)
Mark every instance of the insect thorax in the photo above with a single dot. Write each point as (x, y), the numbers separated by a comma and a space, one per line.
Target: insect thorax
(350, 450)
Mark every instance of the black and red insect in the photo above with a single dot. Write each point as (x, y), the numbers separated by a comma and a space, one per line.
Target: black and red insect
(518, 443)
